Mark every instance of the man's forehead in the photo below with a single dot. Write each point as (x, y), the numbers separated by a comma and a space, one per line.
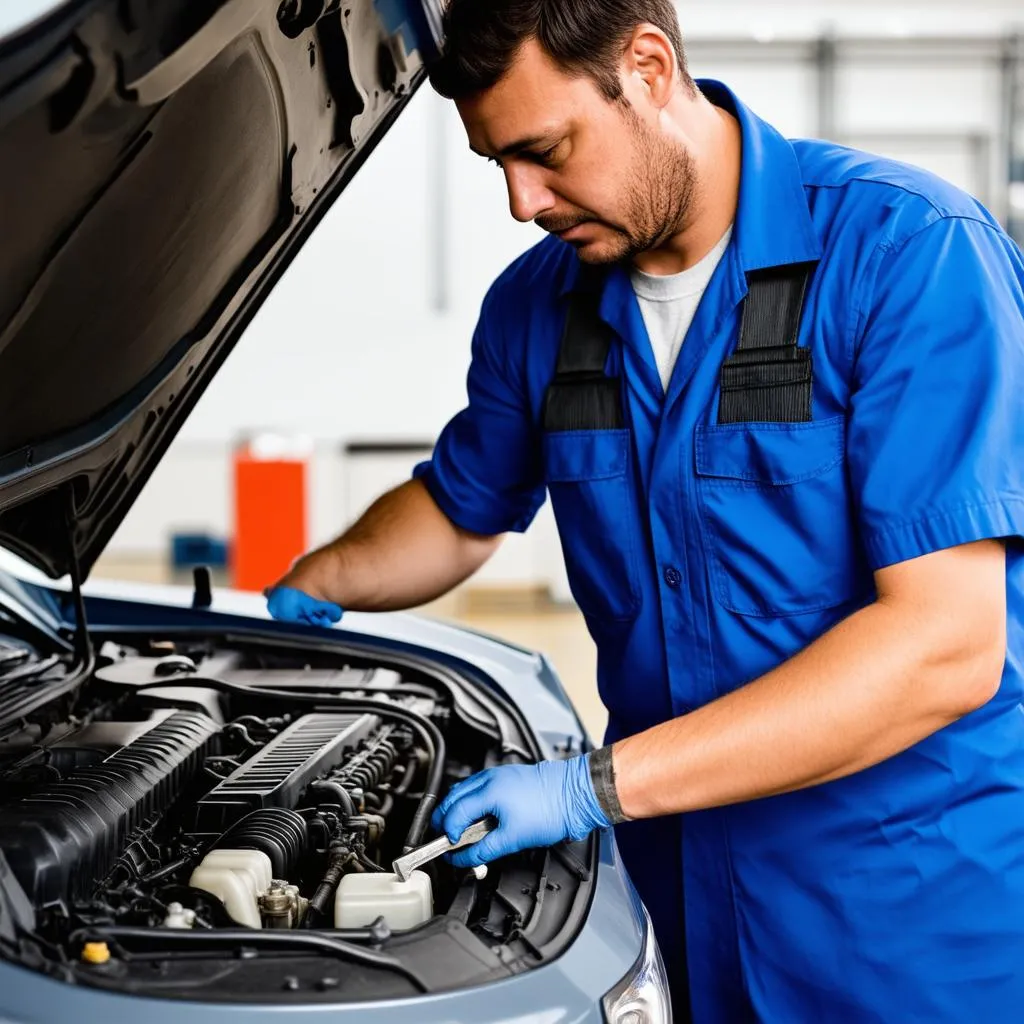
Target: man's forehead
(499, 137)
(535, 100)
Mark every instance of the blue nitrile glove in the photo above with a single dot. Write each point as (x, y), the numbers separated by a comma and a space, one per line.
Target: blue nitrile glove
(536, 805)
(286, 604)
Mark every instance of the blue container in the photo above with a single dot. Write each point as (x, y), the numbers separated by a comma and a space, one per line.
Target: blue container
(192, 549)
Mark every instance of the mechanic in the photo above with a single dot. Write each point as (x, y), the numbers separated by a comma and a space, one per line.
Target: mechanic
(795, 535)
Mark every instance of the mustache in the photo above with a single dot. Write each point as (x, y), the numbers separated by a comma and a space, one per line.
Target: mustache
(554, 224)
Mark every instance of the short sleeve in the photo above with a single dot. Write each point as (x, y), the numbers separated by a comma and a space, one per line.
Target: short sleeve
(485, 473)
(935, 441)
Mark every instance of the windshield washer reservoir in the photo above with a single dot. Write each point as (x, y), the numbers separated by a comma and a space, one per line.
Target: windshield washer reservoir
(361, 899)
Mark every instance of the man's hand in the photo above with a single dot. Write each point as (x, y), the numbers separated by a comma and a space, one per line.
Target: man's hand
(536, 805)
(287, 604)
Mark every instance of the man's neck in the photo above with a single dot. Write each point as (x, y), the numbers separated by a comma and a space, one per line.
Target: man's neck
(715, 141)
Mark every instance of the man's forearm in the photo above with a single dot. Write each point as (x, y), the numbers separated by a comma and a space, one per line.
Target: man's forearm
(401, 553)
(878, 683)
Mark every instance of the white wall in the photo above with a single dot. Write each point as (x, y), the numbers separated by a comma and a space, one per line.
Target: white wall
(352, 344)
(868, 18)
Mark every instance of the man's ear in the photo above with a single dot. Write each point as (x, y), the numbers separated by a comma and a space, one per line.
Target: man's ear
(651, 62)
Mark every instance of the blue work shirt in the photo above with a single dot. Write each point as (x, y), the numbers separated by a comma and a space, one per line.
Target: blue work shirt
(704, 555)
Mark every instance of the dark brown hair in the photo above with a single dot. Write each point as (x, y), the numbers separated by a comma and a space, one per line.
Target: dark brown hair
(584, 37)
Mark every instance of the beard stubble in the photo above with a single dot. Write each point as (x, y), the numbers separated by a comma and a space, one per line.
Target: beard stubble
(657, 201)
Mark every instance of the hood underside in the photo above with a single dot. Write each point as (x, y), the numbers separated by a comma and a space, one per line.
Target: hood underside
(162, 165)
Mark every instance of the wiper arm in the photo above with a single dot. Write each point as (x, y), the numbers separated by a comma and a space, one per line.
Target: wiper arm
(10, 656)
(17, 622)
(18, 700)
(31, 671)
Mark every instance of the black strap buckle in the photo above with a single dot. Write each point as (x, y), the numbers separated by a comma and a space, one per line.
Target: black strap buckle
(582, 396)
(769, 379)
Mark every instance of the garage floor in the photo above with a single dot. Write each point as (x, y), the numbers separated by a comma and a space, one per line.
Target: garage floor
(524, 618)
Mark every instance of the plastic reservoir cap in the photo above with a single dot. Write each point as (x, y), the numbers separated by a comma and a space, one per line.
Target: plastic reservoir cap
(361, 899)
(95, 953)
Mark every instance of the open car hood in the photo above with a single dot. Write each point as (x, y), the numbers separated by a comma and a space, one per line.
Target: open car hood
(162, 163)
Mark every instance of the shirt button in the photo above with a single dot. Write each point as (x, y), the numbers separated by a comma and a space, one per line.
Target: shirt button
(673, 577)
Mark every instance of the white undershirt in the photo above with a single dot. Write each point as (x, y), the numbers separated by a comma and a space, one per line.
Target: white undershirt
(669, 304)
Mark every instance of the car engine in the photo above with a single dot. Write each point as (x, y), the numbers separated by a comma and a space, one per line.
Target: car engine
(218, 818)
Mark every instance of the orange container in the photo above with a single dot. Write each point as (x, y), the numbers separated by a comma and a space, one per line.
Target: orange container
(270, 517)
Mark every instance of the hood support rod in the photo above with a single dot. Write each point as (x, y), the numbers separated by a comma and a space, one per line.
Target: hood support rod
(85, 656)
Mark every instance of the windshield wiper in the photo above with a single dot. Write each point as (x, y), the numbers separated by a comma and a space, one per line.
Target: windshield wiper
(10, 656)
(18, 625)
(18, 699)
(33, 670)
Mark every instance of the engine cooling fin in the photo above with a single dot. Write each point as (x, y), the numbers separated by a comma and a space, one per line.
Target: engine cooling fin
(61, 842)
(277, 775)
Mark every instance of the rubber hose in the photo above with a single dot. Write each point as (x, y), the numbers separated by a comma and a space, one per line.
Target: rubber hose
(337, 793)
(336, 861)
(404, 786)
(420, 821)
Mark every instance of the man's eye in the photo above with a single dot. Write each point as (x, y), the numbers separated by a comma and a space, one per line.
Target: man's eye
(547, 158)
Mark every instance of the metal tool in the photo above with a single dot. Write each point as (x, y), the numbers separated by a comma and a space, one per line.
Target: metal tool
(407, 864)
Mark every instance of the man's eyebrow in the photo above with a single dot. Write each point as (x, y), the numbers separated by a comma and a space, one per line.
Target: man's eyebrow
(520, 144)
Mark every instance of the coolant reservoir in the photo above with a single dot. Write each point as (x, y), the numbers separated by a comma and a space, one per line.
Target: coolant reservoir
(361, 899)
(236, 878)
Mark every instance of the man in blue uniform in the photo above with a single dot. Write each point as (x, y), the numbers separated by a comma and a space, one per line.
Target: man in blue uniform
(773, 389)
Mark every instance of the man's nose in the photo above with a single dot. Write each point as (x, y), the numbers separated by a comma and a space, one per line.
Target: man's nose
(528, 196)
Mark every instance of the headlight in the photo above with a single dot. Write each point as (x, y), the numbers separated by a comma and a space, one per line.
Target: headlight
(642, 997)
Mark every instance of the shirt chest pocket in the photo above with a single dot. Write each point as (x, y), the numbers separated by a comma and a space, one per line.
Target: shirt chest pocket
(778, 517)
(592, 492)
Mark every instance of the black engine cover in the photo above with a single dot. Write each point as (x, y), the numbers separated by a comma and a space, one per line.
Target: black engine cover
(278, 774)
(62, 841)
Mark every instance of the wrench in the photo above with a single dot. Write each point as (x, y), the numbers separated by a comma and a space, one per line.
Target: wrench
(405, 865)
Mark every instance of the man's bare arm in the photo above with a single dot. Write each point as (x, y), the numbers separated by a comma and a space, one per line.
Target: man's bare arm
(403, 552)
(928, 652)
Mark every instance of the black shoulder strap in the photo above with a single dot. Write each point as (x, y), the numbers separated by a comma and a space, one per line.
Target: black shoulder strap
(581, 397)
(769, 377)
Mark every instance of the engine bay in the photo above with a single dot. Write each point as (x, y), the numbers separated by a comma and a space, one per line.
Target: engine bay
(215, 818)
